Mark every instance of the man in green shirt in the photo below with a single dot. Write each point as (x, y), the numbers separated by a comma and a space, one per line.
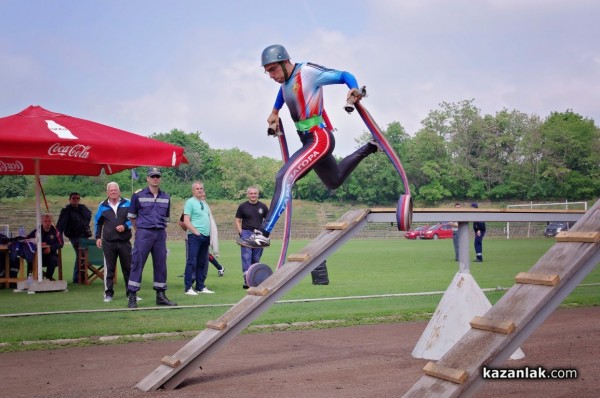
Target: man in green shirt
(196, 217)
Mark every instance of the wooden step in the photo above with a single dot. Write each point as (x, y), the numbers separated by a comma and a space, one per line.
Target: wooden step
(170, 361)
(336, 225)
(457, 376)
(584, 237)
(492, 325)
(255, 291)
(533, 278)
(216, 325)
(299, 257)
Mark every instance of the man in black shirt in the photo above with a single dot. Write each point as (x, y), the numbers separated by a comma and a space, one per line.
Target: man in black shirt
(249, 217)
(74, 223)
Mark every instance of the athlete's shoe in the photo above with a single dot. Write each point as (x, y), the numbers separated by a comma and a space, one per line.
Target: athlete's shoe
(221, 271)
(377, 146)
(255, 241)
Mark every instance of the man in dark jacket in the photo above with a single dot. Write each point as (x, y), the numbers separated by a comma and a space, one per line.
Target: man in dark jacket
(479, 229)
(51, 242)
(112, 230)
(74, 223)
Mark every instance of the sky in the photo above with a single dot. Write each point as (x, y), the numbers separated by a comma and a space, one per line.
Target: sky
(150, 66)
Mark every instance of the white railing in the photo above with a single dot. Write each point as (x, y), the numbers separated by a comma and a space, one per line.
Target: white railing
(532, 205)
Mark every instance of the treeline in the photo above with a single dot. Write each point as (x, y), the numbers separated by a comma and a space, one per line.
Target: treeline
(458, 154)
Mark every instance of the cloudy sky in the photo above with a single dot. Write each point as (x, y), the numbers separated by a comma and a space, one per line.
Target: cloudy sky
(154, 65)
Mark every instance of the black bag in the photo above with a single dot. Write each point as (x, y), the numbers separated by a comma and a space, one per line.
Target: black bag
(319, 274)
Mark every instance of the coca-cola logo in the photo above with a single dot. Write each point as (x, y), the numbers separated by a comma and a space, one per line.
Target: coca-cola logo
(11, 167)
(73, 151)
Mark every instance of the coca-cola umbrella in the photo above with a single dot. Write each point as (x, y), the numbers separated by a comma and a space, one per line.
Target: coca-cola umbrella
(38, 142)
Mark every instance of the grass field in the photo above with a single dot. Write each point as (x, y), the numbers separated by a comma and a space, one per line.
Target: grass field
(361, 268)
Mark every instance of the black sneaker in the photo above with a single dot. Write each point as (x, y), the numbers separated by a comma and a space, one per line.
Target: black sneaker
(255, 241)
(162, 299)
(132, 301)
(244, 286)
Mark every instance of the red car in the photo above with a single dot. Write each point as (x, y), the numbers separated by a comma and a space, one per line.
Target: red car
(416, 233)
(438, 231)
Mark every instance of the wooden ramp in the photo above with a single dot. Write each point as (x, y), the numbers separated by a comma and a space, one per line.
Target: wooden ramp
(501, 330)
(174, 369)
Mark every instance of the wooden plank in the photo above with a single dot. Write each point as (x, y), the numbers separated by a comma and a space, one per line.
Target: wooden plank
(170, 361)
(249, 307)
(537, 278)
(216, 325)
(336, 225)
(457, 376)
(255, 291)
(492, 325)
(300, 257)
(576, 236)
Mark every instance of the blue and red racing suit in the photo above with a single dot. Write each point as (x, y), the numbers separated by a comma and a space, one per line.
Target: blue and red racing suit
(302, 92)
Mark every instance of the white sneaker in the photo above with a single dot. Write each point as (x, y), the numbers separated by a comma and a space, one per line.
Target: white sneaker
(191, 292)
(255, 241)
(221, 271)
(107, 299)
(206, 291)
(138, 298)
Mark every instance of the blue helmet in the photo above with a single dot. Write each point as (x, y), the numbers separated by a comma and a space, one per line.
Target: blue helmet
(274, 53)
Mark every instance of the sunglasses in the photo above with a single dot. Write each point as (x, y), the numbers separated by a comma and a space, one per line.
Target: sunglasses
(154, 176)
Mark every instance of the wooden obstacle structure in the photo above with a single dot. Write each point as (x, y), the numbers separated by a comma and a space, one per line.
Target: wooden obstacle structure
(494, 329)
(494, 336)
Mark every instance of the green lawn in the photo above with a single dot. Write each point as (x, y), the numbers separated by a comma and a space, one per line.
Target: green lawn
(361, 268)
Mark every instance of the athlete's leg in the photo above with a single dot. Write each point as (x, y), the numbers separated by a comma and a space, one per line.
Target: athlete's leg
(316, 145)
(334, 174)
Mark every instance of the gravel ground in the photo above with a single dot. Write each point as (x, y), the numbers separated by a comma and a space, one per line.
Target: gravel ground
(365, 361)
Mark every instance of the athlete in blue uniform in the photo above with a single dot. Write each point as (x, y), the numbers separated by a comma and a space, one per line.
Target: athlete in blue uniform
(149, 213)
(302, 91)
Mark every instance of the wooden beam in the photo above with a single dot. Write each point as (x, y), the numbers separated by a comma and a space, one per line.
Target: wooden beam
(572, 236)
(492, 325)
(217, 325)
(457, 376)
(170, 361)
(537, 279)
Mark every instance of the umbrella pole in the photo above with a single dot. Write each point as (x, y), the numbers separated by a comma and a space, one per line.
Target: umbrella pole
(38, 233)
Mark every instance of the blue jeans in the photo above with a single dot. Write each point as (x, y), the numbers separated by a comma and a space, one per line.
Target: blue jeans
(197, 261)
(455, 242)
(249, 256)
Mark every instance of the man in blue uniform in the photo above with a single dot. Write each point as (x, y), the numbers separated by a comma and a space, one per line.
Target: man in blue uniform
(479, 230)
(149, 213)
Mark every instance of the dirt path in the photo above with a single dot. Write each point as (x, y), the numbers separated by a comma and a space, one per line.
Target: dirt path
(366, 361)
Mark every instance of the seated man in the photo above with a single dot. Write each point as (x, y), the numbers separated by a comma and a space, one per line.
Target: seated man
(51, 242)
(12, 253)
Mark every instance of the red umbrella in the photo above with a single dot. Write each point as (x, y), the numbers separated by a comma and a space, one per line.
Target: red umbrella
(66, 145)
(38, 142)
